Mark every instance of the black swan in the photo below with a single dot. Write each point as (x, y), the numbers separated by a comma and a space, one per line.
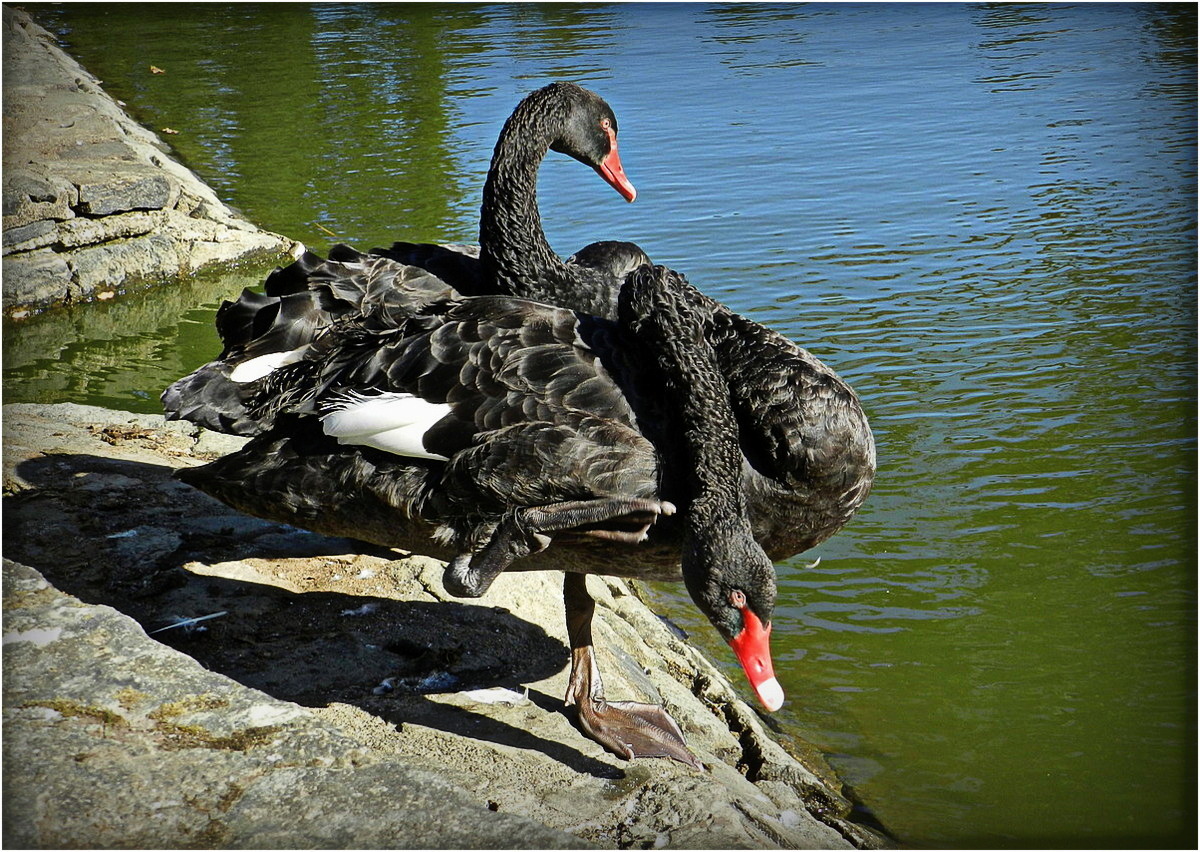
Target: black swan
(513, 258)
(500, 433)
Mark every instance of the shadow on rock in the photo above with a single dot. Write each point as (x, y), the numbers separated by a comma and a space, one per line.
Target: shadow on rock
(119, 532)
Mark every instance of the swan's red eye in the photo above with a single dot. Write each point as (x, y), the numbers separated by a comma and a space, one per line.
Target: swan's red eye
(738, 599)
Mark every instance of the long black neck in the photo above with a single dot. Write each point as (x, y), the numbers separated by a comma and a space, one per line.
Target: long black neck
(516, 258)
(664, 312)
(719, 556)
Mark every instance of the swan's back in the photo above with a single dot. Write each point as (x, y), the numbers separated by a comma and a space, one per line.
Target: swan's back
(810, 454)
(454, 416)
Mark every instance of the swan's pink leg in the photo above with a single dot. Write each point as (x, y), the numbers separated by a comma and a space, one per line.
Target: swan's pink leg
(626, 728)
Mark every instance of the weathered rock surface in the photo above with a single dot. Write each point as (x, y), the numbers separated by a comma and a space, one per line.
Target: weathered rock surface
(113, 739)
(338, 696)
(92, 201)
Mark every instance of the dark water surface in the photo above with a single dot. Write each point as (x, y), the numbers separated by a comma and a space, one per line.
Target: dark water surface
(982, 216)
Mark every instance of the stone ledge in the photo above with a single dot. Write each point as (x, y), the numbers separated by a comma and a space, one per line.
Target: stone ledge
(115, 740)
(92, 201)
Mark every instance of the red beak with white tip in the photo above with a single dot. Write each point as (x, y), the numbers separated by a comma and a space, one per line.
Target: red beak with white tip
(611, 170)
(753, 649)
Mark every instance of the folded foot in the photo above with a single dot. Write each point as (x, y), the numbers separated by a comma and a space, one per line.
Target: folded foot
(529, 530)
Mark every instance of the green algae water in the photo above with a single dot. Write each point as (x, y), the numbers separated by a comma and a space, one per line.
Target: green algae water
(982, 216)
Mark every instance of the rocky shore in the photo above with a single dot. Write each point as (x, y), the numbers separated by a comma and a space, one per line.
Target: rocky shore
(179, 675)
(93, 203)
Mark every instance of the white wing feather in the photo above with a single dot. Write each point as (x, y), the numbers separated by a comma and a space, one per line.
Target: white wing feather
(392, 422)
(263, 365)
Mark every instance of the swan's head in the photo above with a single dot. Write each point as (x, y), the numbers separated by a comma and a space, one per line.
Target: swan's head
(733, 583)
(614, 258)
(589, 134)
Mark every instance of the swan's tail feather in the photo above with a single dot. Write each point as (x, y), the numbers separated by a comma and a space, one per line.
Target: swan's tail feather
(208, 398)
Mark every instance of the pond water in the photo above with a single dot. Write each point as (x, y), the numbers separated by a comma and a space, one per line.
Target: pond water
(982, 216)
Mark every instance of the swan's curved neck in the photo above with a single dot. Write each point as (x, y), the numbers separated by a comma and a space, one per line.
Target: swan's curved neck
(700, 395)
(724, 569)
(516, 257)
(675, 318)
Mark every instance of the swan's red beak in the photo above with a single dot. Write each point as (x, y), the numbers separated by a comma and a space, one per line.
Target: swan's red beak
(611, 170)
(753, 649)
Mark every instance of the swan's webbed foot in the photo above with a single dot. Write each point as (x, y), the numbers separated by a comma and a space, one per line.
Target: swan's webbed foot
(629, 729)
(525, 531)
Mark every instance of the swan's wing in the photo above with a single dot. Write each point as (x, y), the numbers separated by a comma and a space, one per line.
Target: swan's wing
(540, 462)
(494, 361)
(799, 423)
(377, 285)
(508, 391)
(457, 265)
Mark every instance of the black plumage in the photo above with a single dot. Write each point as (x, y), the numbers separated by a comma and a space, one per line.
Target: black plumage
(572, 431)
(568, 440)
